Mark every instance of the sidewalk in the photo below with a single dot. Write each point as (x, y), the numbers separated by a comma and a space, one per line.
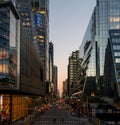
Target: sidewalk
(24, 121)
(27, 120)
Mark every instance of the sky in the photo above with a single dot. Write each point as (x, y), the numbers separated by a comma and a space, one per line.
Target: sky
(68, 20)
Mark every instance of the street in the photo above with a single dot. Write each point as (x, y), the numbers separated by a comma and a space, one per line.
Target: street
(56, 116)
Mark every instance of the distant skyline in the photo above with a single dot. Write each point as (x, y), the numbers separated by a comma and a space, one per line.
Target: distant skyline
(68, 23)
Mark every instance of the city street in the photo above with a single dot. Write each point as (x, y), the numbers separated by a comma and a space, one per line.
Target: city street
(59, 116)
(59, 62)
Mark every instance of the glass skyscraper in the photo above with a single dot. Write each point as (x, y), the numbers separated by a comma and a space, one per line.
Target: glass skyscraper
(40, 9)
(106, 16)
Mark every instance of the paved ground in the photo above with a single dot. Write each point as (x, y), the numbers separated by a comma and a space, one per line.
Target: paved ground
(62, 117)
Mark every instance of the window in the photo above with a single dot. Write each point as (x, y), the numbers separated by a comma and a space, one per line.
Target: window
(117, 60)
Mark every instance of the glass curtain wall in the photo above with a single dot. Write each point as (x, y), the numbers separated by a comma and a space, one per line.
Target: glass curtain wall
(8, 44)
(106, 16)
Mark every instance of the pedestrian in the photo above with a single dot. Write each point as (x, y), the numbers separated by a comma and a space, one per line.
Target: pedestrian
(54, 120)
(62, 120)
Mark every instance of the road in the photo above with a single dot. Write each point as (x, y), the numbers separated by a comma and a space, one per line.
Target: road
(55, 116)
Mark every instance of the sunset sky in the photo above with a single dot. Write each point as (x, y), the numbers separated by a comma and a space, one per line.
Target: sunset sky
(68, 23)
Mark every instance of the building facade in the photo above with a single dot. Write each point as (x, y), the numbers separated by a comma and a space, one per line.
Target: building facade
(24, 9)
(50, 84)
(35, 18)
(73, 68)
(65, 86)
(21, 70)
(40, 9)
(106, 16)
(51, 60)
(55, 79)
(9, 47)
(112, 67)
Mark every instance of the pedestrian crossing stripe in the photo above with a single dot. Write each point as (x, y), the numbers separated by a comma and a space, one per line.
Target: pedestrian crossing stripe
(46, 121)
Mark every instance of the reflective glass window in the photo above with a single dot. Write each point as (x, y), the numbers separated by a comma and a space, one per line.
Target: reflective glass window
(118, 75)
(116, 47)
(117, 60)
(116, 53)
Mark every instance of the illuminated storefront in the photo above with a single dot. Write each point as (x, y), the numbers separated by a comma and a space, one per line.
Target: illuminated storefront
(20, 106)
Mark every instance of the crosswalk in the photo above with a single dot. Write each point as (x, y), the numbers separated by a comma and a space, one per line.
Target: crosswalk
(43, 121)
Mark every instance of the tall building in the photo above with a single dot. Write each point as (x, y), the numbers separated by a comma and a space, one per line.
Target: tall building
(73, 67)
(40, 9)
(51, 61)
(106, 16)
(24, 9)
(112, 64)
(55, 79)
(53, 71)
(21, 70)
(35, 18)
(49, 85)
(65, 86)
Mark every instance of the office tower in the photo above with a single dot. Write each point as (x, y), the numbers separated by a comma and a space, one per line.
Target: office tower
(50, 85)
(55, 79)
(35, 18)
(65, 90)
(106, 16)
(40, 9)
(73, 67)
(51, 61)
(21, 70)
(24, 9)
(112, 64)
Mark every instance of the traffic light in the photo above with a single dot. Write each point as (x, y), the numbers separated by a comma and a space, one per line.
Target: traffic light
(70, 97)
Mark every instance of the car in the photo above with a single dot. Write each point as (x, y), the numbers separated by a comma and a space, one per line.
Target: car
(50, 105)
(59, 107)
(72, 113)
(71, 110)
